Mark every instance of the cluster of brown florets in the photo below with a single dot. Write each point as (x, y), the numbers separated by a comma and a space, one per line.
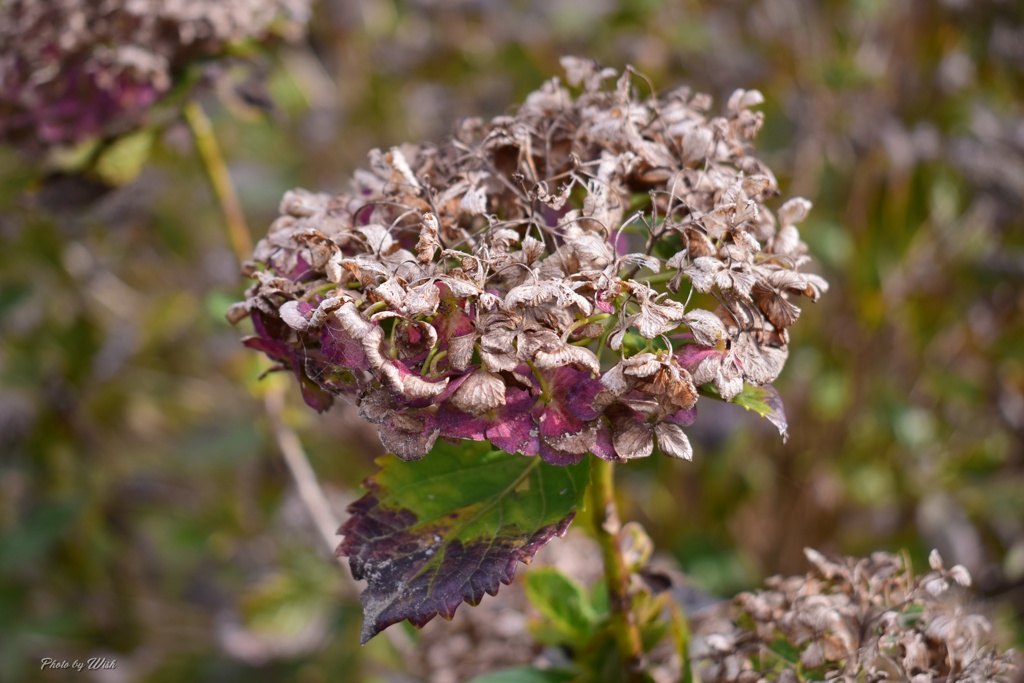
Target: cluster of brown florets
(854, 619)
(75, 69)
(534, 281)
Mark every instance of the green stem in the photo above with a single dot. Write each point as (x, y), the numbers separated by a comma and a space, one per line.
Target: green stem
(606, 530)
(545, 391)
(431, 366)
(220, 180)
(658, 278)
(584, 321)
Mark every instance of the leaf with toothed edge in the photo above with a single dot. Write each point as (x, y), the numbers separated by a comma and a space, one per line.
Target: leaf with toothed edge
(432, 534)
(763, 400)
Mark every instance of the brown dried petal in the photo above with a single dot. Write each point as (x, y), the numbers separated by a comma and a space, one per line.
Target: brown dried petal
(737, 279)
(460, 351)
(672, 441)
(555, 200)
(641, 365)
(366, 271)
(416, 388)
(413, 444)
(291, 316)
(353, 322)
(744, 99)
(422, 300)
(813, 656)
(761, 364)
(615, 380)
(425, 337)
(474, 202)
(481, 392)
(461, 287)
(576, 442)
(960, 575)
(237, 312)
(533, 249)
(702, 273)
(321, 247)
(794, 211)
(698, 143)
(728, 380)
(427, 243)
(567, 355)
(497, 350)
(392, 291)
(706, 327)
(675, 386)
(323, 312)
(787, 242)
(654, 319)
(584, 71)
(401, 170)
(781, 312)
(529, 295)
(632, 439)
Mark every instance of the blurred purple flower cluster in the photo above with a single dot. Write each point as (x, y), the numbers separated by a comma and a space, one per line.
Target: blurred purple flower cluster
(530, 280)
(74, 69)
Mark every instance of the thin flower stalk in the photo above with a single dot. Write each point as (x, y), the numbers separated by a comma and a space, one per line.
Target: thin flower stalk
(606, 532)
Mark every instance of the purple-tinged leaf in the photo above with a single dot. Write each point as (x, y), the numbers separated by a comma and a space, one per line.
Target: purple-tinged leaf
(423, 551)
(314, 395)
(340, 348)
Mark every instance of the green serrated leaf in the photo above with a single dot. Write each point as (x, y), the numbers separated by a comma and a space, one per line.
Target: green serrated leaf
(432, 534)
(122, 161)
(524, 674)
(766, 402)
(563, 602)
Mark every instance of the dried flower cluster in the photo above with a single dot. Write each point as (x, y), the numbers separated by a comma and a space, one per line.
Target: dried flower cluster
(73, 69)
(530, 280)
(856, 619)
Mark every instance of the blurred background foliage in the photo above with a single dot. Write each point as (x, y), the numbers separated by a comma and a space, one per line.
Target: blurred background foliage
(145, 513)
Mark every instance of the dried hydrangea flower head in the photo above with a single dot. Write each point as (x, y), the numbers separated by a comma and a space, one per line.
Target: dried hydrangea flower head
(74, 69)
(853, 619)
(538, 280)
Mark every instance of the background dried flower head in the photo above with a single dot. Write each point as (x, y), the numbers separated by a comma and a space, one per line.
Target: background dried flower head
(852, 619)
(72, 69)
